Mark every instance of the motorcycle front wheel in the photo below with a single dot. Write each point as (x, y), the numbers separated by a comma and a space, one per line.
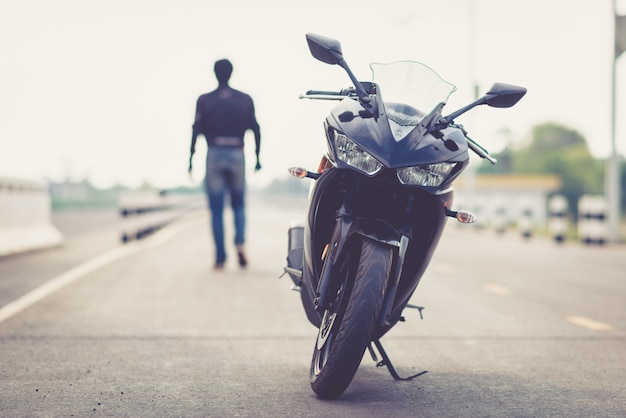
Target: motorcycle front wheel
(349, 322)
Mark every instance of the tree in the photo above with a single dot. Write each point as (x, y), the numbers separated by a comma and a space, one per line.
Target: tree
(555, 149)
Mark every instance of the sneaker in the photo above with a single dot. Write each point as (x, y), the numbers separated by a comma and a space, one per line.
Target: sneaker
(219, 265)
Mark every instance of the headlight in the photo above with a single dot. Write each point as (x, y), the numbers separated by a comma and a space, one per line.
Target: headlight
(350, 153)
(432, 175)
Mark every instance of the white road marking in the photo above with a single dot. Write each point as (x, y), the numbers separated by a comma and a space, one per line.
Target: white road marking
(70, 276)
(589, 323)
(63, 280)
(497, 289)
(443, 268)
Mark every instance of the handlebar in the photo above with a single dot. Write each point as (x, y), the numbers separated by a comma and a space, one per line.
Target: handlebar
(475, 146)
(351, 93)
(323, 92)
(480, 151)
(330, 95)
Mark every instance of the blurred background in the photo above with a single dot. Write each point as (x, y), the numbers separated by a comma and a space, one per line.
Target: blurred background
(98, 97)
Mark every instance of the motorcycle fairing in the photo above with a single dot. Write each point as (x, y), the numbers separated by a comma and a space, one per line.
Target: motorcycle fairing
(417, 148)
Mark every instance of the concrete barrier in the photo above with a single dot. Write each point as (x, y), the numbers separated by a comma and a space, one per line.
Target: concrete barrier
(592, 225)
(25, 217)
(146, 212)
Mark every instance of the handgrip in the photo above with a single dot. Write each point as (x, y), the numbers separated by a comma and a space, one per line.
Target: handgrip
(322, 92)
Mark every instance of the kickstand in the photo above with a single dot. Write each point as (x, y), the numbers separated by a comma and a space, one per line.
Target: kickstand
(387, 362)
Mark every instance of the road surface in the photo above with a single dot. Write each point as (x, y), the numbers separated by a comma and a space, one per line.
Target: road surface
(512, 328)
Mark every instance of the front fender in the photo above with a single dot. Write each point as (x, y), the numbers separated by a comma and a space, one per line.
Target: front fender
(345, 230)
(347, 227)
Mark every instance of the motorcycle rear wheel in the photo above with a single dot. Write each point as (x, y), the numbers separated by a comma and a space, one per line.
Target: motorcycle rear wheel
(348, 324)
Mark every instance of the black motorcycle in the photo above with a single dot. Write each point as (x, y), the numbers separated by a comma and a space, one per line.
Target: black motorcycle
(377, 207)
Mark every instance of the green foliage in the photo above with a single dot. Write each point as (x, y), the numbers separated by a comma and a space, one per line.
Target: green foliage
(555, 149)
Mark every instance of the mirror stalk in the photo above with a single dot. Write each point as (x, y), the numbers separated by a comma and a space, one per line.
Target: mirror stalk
(363, 96)
(450, 118)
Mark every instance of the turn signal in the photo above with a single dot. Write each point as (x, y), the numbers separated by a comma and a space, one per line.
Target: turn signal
(302, 173)
(465, 217)
(298, 172)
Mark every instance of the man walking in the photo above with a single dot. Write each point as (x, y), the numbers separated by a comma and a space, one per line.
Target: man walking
(223, 116)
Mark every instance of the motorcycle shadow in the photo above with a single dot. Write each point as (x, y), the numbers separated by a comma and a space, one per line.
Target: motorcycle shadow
(446, 394)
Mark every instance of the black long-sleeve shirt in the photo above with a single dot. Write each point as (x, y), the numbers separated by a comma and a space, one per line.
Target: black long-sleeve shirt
(223, 116)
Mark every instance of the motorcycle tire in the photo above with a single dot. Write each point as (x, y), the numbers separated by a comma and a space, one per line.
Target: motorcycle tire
(348, 324)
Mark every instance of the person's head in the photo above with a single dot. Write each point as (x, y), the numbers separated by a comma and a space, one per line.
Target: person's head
(223, 69)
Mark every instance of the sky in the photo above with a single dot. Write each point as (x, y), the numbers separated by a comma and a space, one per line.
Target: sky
(106, 90)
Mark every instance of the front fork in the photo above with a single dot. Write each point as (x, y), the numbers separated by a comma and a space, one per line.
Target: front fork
(346, 226)
(343, 229)
(406, 233)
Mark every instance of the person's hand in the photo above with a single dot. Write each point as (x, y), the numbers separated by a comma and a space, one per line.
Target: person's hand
(190, 171)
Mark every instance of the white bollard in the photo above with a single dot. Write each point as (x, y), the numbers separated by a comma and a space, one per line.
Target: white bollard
(592, 227)
(526, 222)
(25, 217)
(500, 220)
(557, 221)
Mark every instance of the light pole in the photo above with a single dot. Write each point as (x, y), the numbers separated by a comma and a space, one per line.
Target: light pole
(613, 172)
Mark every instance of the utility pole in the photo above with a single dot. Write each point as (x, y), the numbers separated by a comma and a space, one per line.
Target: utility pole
(472, 167)
(613, 170)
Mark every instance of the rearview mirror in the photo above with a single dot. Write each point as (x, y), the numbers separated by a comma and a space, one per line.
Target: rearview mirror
(325, 49)
(504, 95)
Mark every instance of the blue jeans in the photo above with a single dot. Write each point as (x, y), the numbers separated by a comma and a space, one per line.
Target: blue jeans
(225, 177)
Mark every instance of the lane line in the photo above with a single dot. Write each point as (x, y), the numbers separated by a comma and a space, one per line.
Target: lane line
(63, 280)
(443, 268)
(592, 324)
(70, 276)
(497, 289)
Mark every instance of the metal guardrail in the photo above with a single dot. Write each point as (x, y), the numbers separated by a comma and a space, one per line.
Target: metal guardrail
(143, 213)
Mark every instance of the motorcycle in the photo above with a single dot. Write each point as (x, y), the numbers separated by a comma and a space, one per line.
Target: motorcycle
(377, 207)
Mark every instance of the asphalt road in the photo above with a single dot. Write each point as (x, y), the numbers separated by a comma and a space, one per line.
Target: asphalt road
(511, 328)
